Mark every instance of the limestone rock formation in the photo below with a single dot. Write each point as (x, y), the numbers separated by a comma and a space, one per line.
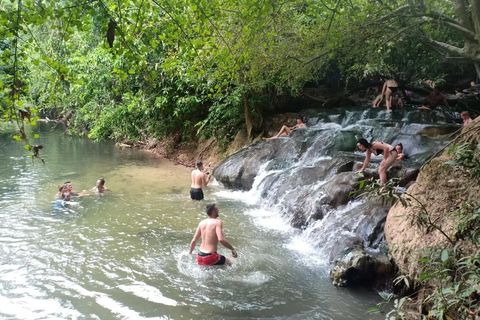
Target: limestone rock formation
(440, 188)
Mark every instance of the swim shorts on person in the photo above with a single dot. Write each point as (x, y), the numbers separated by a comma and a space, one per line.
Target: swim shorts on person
(196, 194)
(210, 259)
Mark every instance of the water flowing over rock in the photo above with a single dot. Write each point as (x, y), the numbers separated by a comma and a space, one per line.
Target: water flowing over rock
(308, 178)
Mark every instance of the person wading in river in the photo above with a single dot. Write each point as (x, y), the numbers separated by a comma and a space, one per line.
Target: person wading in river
(211, 231)
(377, 148)
(199, 181)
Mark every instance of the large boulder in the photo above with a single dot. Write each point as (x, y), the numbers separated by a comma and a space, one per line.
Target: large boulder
(438, 188)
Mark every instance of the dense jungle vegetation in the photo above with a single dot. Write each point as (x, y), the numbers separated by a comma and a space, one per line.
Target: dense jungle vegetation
(134, 69)
(150, 68)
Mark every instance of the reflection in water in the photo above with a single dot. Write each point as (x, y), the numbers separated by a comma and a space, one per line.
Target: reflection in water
(124, 255)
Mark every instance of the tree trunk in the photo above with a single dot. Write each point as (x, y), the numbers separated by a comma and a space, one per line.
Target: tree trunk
(248, 115)
(477, 68)
(475, 5)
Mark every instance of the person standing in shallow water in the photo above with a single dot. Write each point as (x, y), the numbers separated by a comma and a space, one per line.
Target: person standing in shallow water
(389, 156)
(199, 181)
(211, 232)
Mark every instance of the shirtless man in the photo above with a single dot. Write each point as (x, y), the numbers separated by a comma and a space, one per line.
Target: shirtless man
(211, 231)
(285, 131)
(69, 189)
(199, 181)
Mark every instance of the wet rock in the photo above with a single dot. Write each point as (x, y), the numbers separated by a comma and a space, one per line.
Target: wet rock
(437, 131)
(357, 266)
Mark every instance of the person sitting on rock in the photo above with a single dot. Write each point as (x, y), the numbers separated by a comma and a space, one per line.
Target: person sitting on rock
(433, 100)
(400, 154)
(378, 99)
(285, 131)
(466, 118)
(397, 102)
(378, 148)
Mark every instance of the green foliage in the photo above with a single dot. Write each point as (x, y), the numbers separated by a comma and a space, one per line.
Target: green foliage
(169, 67)
(449, 273)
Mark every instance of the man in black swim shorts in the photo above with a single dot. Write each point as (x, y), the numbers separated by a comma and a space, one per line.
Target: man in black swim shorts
(199, 181)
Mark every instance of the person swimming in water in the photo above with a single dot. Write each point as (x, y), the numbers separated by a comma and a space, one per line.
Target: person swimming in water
(60, 204)
(100, 186)
(199, 181)
(378, 148)
(400, 154)
(285, 131)
(69, 188)
(61, 189)
(390, 87)
(211, 232)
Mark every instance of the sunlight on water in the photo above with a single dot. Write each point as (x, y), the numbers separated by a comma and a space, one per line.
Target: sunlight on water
(124, 254)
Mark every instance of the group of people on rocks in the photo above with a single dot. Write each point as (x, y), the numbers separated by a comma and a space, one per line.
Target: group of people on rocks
(436, 98)
(66, 192)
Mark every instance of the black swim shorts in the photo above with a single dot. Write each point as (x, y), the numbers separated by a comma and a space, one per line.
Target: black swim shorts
(196, 194)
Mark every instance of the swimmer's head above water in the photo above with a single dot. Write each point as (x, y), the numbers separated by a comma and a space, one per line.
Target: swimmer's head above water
(100, 182)
(68, 186)
(62, 187)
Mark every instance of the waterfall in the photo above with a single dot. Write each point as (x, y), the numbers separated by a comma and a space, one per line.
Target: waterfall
(307, 177)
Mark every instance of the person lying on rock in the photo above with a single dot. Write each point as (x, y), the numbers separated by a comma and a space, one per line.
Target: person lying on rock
(400, 154)
(378, 148)
(285, 131)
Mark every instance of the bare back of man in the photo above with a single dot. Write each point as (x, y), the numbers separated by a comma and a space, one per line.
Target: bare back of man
(211, 232)
(199, 181)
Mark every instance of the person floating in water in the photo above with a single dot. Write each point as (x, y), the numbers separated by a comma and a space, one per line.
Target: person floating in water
(285, 131)
(211, 232)
(377, 148)
(390, 87)
(199, 181)
(100, 186)
(466, 118)
(400, 154)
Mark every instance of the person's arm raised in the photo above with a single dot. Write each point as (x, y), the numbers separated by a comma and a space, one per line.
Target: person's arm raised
(195, 239)
(222, 240)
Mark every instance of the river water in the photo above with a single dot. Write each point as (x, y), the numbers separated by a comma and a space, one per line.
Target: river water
(124, 255)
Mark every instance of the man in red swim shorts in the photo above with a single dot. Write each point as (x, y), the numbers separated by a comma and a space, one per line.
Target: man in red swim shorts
(211, 231)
